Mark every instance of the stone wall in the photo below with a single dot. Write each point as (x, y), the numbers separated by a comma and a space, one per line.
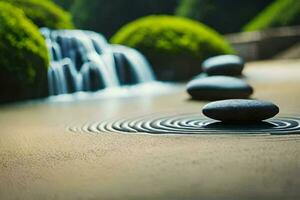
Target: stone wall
(261, 45)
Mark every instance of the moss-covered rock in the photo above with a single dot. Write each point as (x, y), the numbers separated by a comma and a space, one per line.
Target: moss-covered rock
(175, 46)
(44, 13)
(23, 56)
(279, 13)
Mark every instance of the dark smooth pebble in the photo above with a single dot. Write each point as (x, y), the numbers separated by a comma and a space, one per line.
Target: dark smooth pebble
(230, 65)
(240, 110)
(219, 87)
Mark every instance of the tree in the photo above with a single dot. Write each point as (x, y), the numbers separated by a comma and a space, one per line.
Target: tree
(226, 16)
(66, 4)
(107, 16)
(272, 16)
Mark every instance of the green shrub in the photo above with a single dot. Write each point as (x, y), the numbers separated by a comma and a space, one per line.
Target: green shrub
(279, 13)
(107, 16)
(23, 56)
(44, 13)
(174, 46)
(226, 16)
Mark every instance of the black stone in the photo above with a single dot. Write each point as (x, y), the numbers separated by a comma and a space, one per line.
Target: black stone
(240, 110)
(229, 65)
(219, 87)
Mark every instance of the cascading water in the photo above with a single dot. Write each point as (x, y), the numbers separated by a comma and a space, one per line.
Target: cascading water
(84, 61)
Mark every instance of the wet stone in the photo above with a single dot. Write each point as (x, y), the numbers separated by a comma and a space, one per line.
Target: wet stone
(218, 87)
(230, 65)
(240, 110)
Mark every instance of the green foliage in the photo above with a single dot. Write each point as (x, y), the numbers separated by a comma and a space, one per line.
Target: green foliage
(23, 57)
(280, 13)
(44, 13)
(172, 44)
(226, 16)
(107, 16)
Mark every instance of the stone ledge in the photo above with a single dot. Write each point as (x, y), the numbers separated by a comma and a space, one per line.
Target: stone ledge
(265, 44)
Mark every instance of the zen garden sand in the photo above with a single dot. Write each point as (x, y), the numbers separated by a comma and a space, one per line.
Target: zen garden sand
(41, 158)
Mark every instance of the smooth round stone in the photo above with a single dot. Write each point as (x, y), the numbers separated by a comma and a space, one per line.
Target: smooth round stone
(229, 65)
(240, 110)
(218, 87)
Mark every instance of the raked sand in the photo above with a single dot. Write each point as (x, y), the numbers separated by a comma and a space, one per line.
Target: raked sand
(41, 159)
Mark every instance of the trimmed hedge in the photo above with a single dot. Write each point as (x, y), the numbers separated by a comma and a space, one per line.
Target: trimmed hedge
(23, 56)
(279, 13)
(175, 46)
(44, 13)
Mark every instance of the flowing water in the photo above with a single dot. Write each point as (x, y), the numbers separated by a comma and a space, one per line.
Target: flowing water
(84, 61)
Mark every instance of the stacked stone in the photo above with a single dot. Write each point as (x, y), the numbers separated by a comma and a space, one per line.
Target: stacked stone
(221, 80)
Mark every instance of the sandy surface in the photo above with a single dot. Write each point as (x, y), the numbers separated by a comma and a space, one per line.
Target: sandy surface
(41, 159)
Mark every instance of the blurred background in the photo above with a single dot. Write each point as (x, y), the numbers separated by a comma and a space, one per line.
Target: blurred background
(55, 47)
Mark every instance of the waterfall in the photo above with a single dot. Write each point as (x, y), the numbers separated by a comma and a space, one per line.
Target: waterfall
(135, 59)
(84, 61)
